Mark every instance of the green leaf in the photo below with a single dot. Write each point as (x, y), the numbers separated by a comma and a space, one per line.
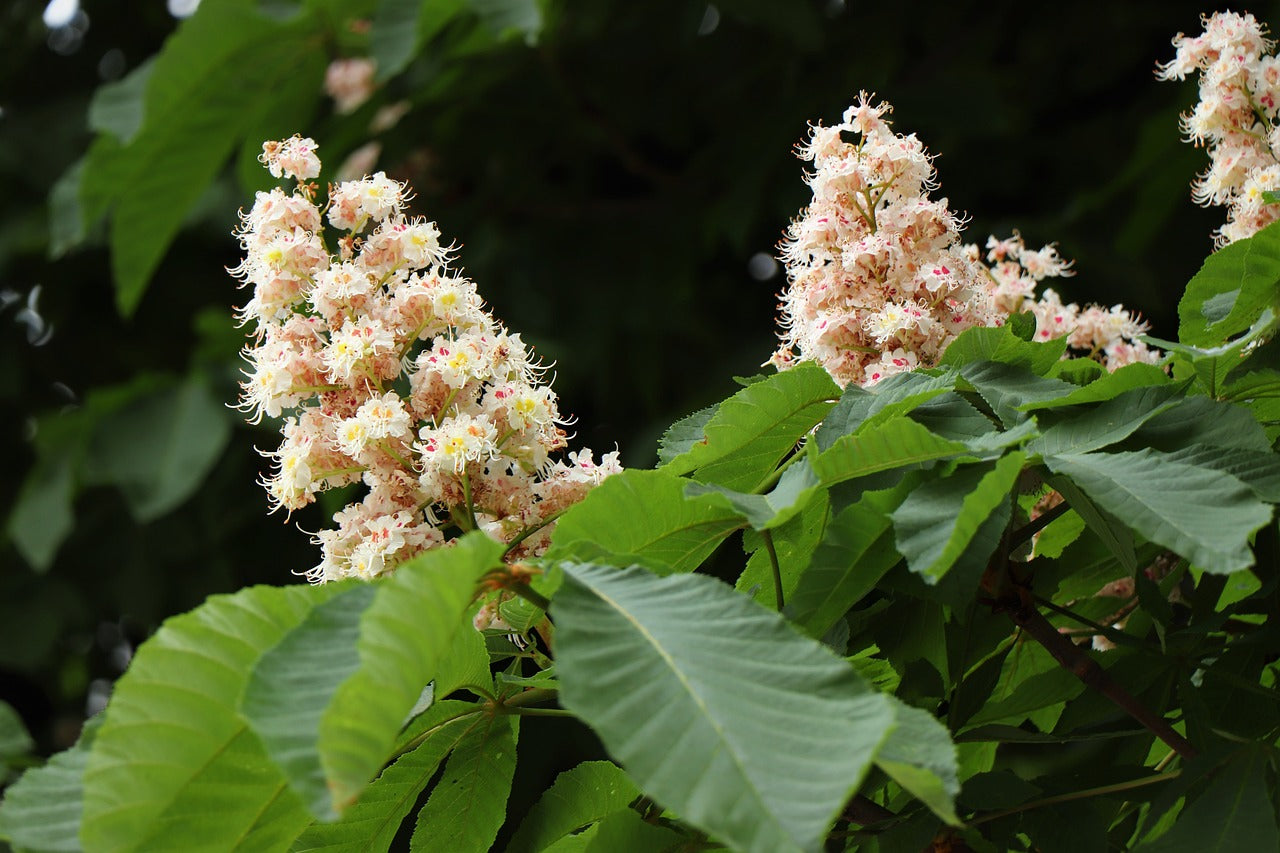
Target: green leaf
(1030, 680)
(920, 756)
(936, 523)
(1110, 531)
(1200, 420)
(507, 18)
(1202, 514)
(643, 516)
(682, 435)
(1079, 431)
(765, 732)
(405, 631)
(468, 805)
(294, 682)
(751, 431)
(951, 416)
(1234, 813)
(1230, 290)
(983, 343)
(855, 552)
(624, 831)
(577, 798)
(14, 739)
(42, 516)
(117, 107)
(1257, 470)
(195, 113)
(893, 444)
(793, 542)
(401, 27)
(42, 810)
(861, 408)
(1106, 387)
(372, 823)
(1009, 387)
(159, 448)
(173, 758)
(795, 488)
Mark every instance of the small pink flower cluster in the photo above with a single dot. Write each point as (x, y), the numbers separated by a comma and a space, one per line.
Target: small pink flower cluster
(1235, 119)
(879, 282)
(394, 375)
(349, 82)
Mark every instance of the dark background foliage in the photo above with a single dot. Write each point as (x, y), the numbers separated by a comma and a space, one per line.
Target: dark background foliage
(610, 186)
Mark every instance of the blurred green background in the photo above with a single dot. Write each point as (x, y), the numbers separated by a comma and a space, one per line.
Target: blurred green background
(618, 175)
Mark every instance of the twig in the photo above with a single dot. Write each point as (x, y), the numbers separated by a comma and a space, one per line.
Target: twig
(1070, 657)
(767, 535)
(1078, 795)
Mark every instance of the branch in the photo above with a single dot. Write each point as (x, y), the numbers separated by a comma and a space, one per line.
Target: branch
(1068, 654)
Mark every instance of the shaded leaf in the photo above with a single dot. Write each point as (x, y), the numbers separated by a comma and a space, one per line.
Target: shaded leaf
(1233, 813)
(469, 803)
(937, 521)
(1078, 431)
(293, 683)
(372, 823)
(919, 756)
(1009, 387)
(767, 732)
(855, 552)
(1202, 514)
(1106, 387)
(861, 408)
(577, 798)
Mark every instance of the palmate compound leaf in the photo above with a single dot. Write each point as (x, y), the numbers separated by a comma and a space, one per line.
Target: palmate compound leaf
(718, 708)
(330, 698)
(468, 805)
(174, 759)
(1205, 515)
(579, 797)
(41, 811)
(750, 432)
(644, 517)
(372, 823)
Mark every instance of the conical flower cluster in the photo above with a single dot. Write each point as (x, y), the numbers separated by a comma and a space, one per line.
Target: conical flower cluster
(1237, 119)
(387, 370)
(879, 282)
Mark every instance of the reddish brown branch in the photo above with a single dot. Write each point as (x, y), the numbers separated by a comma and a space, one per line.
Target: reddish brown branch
(1072, 658)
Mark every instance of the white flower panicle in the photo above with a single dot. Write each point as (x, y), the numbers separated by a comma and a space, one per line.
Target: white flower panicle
(391, 373)
(879, 282)
(1235, 119)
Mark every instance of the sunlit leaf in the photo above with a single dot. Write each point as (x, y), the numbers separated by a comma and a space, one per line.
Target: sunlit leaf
(42, 810)
(643, 516)
(751, 431)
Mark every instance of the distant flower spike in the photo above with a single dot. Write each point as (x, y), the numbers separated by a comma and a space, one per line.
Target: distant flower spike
(879, 282)
(1237, 119)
